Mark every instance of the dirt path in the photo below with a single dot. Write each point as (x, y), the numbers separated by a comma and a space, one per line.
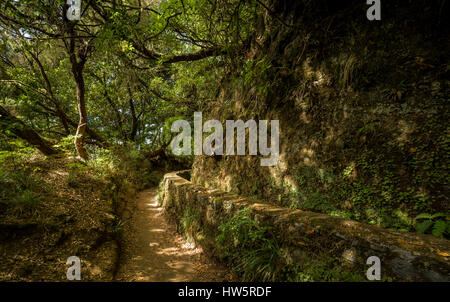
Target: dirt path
(154, 251)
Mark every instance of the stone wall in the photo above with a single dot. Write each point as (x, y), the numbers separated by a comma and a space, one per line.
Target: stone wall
(404, 256)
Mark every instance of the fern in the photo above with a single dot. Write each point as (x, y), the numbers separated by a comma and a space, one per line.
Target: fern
(424, 216)
(437, 224)
(440, 215)
(422, 227)
(439, 228)
(253, 249)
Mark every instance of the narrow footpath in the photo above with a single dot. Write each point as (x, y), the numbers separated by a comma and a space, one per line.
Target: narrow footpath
(152, 250)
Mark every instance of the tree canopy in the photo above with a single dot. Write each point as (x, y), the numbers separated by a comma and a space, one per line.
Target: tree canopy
(122, 71)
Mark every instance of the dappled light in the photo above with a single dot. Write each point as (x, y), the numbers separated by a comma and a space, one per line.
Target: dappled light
(206, 140)
(161, 254)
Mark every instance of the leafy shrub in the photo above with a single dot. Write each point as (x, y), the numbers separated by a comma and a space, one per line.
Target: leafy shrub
(66, 144)
(26, 198)
(437, 224)
(253, 250)
(19, 187)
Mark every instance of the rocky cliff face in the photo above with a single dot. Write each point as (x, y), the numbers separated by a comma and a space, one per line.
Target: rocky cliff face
(362, 105)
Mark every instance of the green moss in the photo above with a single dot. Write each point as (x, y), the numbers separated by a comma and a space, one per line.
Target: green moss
(324, 270)
(364, 139)
(190, 224)
(254, 254)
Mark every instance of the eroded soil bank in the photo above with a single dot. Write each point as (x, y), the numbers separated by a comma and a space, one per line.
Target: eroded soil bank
(59, 214)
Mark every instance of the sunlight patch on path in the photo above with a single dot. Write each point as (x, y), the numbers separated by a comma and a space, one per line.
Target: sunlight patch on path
(154, 251)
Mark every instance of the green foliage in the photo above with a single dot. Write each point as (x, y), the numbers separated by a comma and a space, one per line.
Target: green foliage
(20, 186)
(325, 269)
(13, 152)
(75, 171)
(190, 223)
(66, 144)
(118, 227)
(252, 249)
(255, 255)
(26, 198)
(369, 190)
(256, 74)
(437, 224)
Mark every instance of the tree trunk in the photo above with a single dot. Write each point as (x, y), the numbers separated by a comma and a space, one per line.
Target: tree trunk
(21, 130)
(134, 118)
(81, 101)
(77, 71)
(65, 120)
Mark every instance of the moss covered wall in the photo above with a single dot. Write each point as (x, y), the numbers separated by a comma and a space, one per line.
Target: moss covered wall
(363, 111)
(263, 242)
